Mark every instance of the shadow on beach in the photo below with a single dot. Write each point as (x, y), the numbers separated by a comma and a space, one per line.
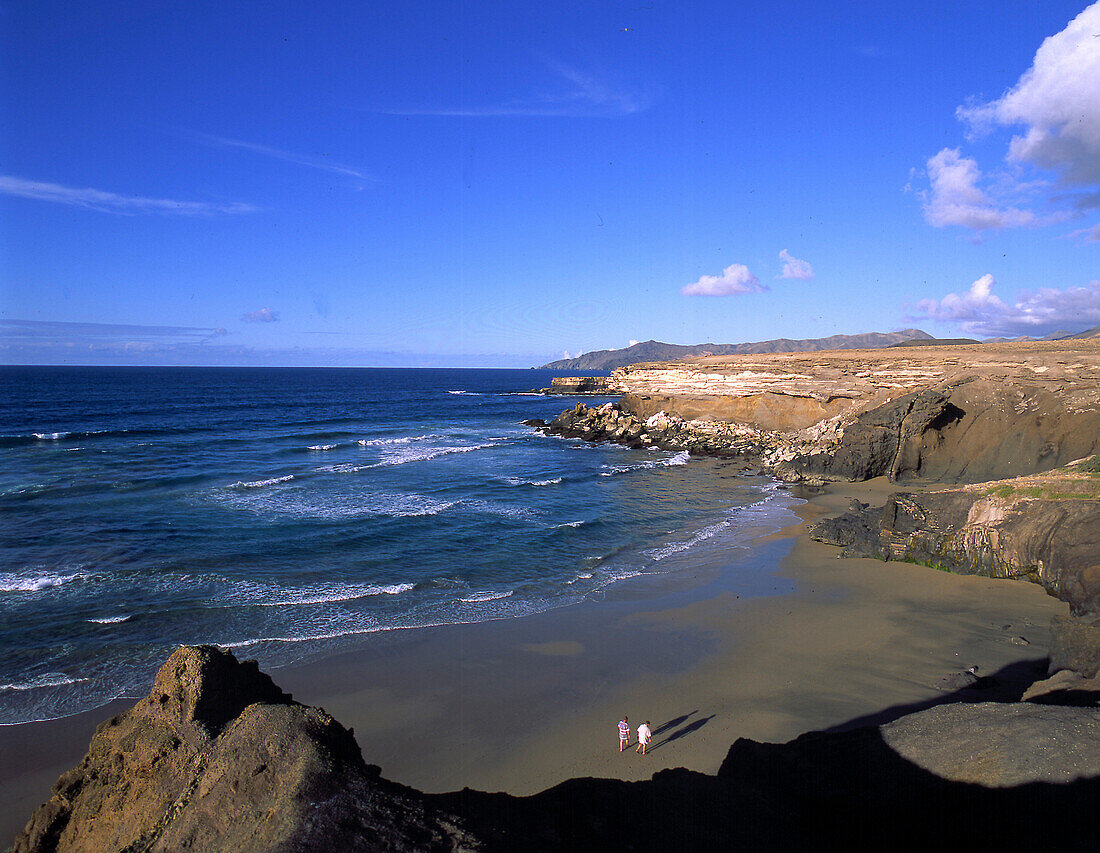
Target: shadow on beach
(845, 786)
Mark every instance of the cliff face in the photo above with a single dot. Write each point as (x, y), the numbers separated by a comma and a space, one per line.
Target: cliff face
(1044, 528)
(958, 414)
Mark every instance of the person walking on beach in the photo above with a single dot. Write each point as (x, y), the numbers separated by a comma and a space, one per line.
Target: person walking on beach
(644, 734)
(624, 733)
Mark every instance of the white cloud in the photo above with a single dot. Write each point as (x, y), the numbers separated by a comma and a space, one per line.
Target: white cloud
(108, 202)
(794, 268)
(735, 278)
(1055, 107)
(956, 199)
(982, 313)
(263, 315)
(633, 342)
(1057, 101)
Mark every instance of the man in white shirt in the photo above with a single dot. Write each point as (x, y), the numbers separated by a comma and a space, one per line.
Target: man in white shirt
(644, 734)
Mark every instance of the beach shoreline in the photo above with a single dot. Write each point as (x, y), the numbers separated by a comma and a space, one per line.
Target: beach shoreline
(519, 705)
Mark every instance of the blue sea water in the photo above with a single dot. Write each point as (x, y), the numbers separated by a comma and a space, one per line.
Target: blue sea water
(292, 513)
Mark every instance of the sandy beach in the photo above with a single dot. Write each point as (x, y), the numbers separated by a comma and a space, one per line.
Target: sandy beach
(522, 704)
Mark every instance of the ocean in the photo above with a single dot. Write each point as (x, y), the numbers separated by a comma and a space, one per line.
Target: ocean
(290, 514)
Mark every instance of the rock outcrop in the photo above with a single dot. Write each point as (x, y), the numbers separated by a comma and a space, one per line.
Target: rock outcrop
(952, 414)
(216, 758)
(1044, 528)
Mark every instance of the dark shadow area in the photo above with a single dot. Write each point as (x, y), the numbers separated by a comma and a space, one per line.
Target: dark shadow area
(673, 723)
(1005, 685)
(686, 730)
(836, 789)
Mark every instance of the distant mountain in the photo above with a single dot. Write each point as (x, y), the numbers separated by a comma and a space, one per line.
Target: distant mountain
(604, 360)
(1060, 335)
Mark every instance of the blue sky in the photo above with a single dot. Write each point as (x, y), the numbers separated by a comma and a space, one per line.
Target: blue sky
(496, 184)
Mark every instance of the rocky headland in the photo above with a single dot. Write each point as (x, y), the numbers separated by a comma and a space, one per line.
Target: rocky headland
(997, 437)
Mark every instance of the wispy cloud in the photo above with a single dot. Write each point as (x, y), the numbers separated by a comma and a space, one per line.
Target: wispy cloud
(82, 333)
(109, 202)
(263, 315)
(795, 268)
(979, 311)
(735, 278)
(572, 93)
(323, 162)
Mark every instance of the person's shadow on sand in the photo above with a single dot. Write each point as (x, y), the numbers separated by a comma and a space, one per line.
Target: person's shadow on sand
(679, 733)
(671, 724)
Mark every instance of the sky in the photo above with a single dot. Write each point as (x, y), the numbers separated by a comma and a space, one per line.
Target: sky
(500, 184)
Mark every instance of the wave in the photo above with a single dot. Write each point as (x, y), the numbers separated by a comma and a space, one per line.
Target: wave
(32, 581)
(259, 484)
(702, 535)
(50, 679)
(404, 458)
(467, 393)
(50, 436)
(405, 439)
(323, 446)
(681, 458)
(481, 597)
(110, 620)
(322, 595)
(519, 481)
(568, 524)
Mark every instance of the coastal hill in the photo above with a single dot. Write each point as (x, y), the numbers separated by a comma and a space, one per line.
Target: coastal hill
(604, 360)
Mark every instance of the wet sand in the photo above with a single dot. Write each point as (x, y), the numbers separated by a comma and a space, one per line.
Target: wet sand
(522, 704)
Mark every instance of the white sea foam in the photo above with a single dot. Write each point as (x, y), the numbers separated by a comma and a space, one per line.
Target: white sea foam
(110, 620)
(328, 594)
(569, 524)
(323, 446)
(676, 547)
(405, 439)
(32, 581)
(50, 679)
(583, 576)
(681, 458)
(519, 481)
(489, 595)
(259, 484)
(403, 457)
(50, 436)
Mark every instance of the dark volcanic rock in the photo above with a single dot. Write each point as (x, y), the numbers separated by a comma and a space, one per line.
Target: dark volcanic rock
(1055, 543)
(217, 758)
(1075, 645)
(198, 765)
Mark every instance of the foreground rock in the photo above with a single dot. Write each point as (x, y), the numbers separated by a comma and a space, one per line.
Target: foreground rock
(217, 758)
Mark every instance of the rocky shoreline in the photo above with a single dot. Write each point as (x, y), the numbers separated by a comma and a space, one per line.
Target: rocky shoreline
(1016, 426)
(996, 454)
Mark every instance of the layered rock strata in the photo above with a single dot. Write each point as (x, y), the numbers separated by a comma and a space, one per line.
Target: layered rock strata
(954, 414)
(217, 758)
